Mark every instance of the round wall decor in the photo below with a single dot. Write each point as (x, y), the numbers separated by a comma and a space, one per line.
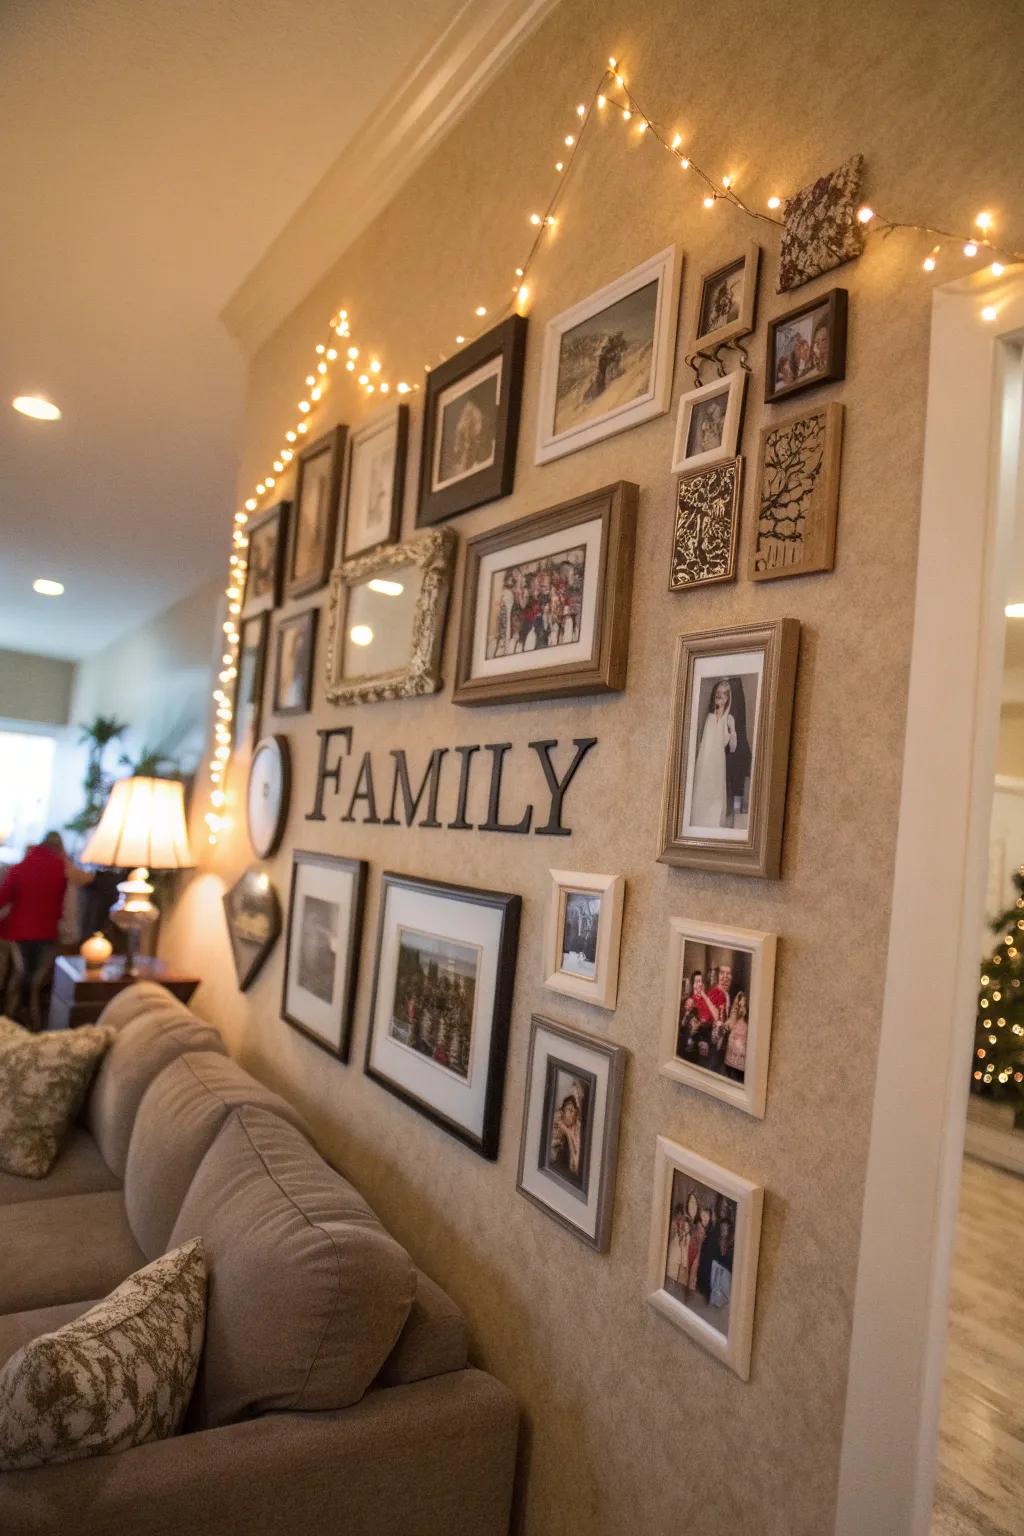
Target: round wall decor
(268, 794)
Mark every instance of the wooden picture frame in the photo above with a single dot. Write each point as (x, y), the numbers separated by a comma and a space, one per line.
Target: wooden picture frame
(709, 420)
(253, 914)
(746, 788)
(723, 314)
(571, 1177)
(589, 973)
(375, 473)
(411, 633)
(705, 534)
(461, 934)
(250, 675)
(815, 336)
(333, 895)
(487, 377)
(268, 795)
(595, 534)
(304, 627)
(319, 466)
(269, 528)
(797, 495)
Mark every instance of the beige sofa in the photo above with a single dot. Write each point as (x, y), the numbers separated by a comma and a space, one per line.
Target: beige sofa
(334, 1394)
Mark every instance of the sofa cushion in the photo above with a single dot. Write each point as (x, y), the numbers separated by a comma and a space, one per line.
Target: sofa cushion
(19, 1328)
(181, 1112)
(140, 997)
(79, 1170)
(43, 1081)
(70, 1248)
(433, 1341)
(119, 1376)
(308, 1293)
(140, 1049)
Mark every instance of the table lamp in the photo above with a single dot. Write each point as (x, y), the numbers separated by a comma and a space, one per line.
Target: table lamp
(142, 828)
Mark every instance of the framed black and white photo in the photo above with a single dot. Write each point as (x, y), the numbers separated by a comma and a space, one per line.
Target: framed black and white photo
(716, 1026)
(253, 915)
(264, 575)
(250, 667)
(581, 940)
(702, 1263)
(706, 530)
(315, 513)
(725, 783)
(727, 306)
(375, 481)
(471, 424)
(570, 1136)
(268, 795)
(442, 997)
(325, 921)
(708, 423)
(607, 362)
(807, 346)
(293, 663)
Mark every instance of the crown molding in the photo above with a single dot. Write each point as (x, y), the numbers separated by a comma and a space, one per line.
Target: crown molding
(381, 156)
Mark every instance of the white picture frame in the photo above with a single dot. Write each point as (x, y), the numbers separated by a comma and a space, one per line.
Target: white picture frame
(724, 396)
(751, 956)
(686, 1308)
(589, 973)
(562, 428)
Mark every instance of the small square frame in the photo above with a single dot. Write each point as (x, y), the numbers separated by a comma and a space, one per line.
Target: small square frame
(836, 302)
(603, 990)
(717, 336)
(734, 388)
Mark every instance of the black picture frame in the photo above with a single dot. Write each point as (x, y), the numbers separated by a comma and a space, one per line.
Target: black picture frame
(260, 622)
(358, 868)
(274, 516)
(250, 955)
(308, 619)
(835, 305)
(332, 443)
(506, 341)
(510, 907)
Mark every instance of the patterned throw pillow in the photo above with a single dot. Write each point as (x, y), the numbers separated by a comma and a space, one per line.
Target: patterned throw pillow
(43, 1082)
(120, 1375)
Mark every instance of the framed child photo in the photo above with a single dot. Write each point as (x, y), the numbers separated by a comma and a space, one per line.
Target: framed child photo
(375, 481)
(325, 923)
(797, 495)
(570, 1136)
(717, 1022)
(706, 529)
(708, 423)
(807, 346)
(471, 424)
(702, 1265)
(442, 1000)
(727, 307)
(546, 602)
(581, 940)
(247, 702)
(607, 362)
(315, 513)
(265, 560)
(293, 663)
(728, 755)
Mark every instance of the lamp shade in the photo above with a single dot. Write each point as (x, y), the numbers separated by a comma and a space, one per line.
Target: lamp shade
(143, 823)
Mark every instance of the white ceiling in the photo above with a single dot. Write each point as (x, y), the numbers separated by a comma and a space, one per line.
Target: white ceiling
(151, 150)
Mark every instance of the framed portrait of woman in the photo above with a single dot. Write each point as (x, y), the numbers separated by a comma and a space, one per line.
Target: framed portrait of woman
(725, 781)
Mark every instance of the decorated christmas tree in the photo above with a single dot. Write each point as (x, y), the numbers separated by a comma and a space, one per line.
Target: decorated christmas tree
(997, 1069)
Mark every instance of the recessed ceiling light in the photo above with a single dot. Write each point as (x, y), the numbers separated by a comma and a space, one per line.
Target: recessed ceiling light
(37, 406)
(47, 588)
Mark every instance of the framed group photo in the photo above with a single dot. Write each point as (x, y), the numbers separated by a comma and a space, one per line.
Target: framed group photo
(708, 423)
(315, 513)
(581, 939)
(293, 663)
(264, 575)
(375, 481)
(807, 346)
(442, 999)
(325, 923)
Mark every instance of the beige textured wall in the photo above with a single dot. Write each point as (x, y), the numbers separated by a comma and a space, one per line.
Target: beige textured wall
(1010, 748)
(35, 688)
(629, 1425)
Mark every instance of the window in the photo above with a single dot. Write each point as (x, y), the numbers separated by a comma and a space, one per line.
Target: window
(26, 781)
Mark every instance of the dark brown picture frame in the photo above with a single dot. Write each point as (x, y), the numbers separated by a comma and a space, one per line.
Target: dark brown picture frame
(333, 443)
(605, 672)
(277, 514)
(261, 622)
(399, 413)
(359, 869)
(836, 302)
(507, 341)
(510, 906)
(307, 617)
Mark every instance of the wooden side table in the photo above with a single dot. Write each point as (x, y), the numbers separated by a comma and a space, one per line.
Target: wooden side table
(79, 996)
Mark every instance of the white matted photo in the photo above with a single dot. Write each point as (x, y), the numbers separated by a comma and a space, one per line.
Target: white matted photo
(325, 920)
(581, 940)
(702, 1265)
(716, 1026)
(719, 768)
(375, 480)
(708, 423)
(607, 362)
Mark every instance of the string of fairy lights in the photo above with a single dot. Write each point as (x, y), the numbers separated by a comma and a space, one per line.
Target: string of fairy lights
(612, 98)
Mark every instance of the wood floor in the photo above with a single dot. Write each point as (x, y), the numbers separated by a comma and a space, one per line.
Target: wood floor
(980, 1490)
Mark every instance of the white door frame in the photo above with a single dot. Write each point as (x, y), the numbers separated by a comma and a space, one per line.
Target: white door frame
(970, 488)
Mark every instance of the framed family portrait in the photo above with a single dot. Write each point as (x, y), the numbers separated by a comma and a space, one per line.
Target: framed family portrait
(315, 513)
(728, 755)
(546, 602)
(581, 941)
(727, 307)
(717, 1021)
(471, 424)
(325, 923)
(247, 703)
(385, 620)
(375, 481)
(702, 1266)
(706, 529)
(569, 1143)
(268, 795)
(293, 663)
(807, 346)
(708, 423)
(265, 560)
(442, 998)
(798, 495)
(253, 915)
(607, 362)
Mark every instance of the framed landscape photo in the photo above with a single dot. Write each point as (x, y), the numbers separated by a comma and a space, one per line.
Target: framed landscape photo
(706, 529)
(375, 481)
(702, 1265)
(717, 1021)
(708, 423)
(728, 755)
(570, 1136)
(442, 997)
(471, 424)
(727, 307)
(797, 495)
(268, 795)
(807, 346)
(265, 560)
(247, 703)
(546, 602)
(581, 940)
(293, 663)
(315, 513)
(253, 915)
(325, 922)
(607, 362)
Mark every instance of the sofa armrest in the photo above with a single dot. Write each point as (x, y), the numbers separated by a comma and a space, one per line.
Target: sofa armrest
(436, 1458)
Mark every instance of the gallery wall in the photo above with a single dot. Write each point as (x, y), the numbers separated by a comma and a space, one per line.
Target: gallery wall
(628, 1424)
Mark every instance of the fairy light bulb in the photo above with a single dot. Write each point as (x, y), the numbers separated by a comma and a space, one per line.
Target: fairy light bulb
(304, 406)
(290, 437)
(310, 378)
(997, 269)
(684, 164)
(520, 272)
(983, 220)
(321, 367)
(581, 110)
(278, 465)
(865, 215)
(970, 249)
(677, 139)
(709, 201)
(989, 313)
(602, 101)
(569, 141)
(626, 114)
(303, 427)
(727, 182)
(402, 387)
(480, 311)
(332, 353)
(535, 218)
(559, 165)
(315, 393)
(320, 349)
(774, 202)
(929, 263)
(252, 504)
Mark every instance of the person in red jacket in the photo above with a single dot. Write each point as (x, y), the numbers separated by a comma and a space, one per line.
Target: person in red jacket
(32, 903)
